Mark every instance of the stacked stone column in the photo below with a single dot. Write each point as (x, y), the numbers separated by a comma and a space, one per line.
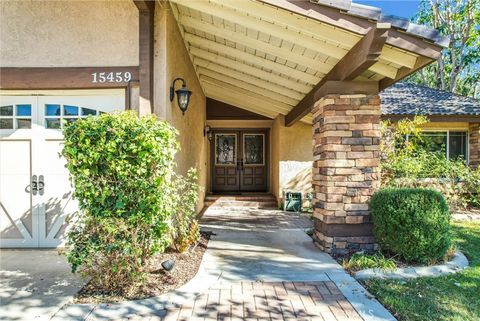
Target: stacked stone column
(474, 143)
(346, 138)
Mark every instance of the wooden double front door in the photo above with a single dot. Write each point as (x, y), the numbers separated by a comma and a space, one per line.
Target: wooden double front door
(239, 160)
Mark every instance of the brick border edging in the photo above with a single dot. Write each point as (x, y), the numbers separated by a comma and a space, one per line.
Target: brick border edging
(456, 264)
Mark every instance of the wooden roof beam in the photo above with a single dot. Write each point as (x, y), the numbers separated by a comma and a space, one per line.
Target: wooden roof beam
(146, 14)
(281, 52)
(339, 80)
(210, 69)
(241, 93)
(239, 66)
(404, 72)
(197, 41)
(305, 31)
(280, 97)
(248, 103)
(223, 12)
(256, 44)
(359, 25)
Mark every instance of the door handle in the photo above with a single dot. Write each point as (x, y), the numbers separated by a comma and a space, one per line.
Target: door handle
(41, 184)
(241, 164)
(34, 185)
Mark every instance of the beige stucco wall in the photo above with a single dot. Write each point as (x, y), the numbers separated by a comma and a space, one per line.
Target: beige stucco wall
(171, 61)
(291, 157)
(68, 33)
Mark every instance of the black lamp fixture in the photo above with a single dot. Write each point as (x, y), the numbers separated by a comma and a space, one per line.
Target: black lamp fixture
(183, 94)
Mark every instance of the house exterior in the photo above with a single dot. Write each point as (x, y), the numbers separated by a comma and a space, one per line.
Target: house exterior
(281, 90)
(453, 120)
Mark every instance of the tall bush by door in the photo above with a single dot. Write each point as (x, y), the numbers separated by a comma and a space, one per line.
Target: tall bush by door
(412, 224)
(121, 167)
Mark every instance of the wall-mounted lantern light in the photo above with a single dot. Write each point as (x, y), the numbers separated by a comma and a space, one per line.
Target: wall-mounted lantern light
(208, 132)
(183, 95)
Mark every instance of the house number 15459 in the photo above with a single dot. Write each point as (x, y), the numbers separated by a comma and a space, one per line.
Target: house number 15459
(120, 76)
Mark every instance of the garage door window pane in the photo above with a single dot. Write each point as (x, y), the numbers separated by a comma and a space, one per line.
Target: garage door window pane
(6, 123)
(53, 123)
(88, 111)
(52, 110)
(24, 110)
(458, 145)
(6, 111)
(70, 110)
(24, 123)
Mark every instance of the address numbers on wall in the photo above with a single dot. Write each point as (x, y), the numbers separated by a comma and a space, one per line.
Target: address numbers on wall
(111, 77)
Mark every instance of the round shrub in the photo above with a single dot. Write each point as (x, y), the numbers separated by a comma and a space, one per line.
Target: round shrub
(413, 224)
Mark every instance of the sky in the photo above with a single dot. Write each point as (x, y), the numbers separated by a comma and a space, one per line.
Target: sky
(401, 8)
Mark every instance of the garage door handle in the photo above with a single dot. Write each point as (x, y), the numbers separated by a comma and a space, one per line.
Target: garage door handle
(41, 184)
(33, 185)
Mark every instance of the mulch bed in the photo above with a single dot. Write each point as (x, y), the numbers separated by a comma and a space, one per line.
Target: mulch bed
(157, 280)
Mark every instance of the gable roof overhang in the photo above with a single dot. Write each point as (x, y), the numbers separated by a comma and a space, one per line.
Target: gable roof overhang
(278, 56)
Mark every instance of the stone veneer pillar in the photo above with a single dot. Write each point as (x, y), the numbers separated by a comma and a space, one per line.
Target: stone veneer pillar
(346, 137)
(474, 143)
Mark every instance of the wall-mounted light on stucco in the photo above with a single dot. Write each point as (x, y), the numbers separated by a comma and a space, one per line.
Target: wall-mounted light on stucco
(207, 131)
(183, 95)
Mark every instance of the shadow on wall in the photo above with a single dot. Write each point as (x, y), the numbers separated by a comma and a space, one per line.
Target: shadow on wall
(296, 176)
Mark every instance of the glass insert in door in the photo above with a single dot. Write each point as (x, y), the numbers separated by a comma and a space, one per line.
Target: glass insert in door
(253, 149)
(16, 116)
(225, 149)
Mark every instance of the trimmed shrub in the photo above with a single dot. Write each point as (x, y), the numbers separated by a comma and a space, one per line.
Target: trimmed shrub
(413, 224)
(121, 167)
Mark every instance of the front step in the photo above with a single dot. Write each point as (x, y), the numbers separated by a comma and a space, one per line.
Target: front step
(241, 201)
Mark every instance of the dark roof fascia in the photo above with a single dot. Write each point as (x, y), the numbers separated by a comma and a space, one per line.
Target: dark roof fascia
(436, 118)
(374, 13)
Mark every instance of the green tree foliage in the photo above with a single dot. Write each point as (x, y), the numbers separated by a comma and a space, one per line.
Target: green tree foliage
(121, 168)
(457, 69)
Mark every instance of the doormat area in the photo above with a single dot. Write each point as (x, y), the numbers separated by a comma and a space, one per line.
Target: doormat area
(157, 280)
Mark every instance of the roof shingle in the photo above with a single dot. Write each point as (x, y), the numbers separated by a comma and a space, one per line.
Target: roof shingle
(410, 99)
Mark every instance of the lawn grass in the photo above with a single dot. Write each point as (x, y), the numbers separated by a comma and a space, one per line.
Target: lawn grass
(454, 298)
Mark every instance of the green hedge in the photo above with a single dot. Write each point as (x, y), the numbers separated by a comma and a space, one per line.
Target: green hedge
(413, 224)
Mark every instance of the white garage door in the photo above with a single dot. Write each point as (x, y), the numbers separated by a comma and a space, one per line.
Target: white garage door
(35, 193)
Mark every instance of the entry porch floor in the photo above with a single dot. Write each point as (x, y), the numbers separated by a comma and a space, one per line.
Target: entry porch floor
(260, 265)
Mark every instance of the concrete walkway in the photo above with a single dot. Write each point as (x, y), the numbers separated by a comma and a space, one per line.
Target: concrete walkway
(34, 284)
(260, 265)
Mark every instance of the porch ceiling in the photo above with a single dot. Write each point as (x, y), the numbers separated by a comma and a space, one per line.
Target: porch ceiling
(266, 59)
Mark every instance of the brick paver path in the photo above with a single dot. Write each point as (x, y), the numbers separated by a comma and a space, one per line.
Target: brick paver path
(256, 301)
